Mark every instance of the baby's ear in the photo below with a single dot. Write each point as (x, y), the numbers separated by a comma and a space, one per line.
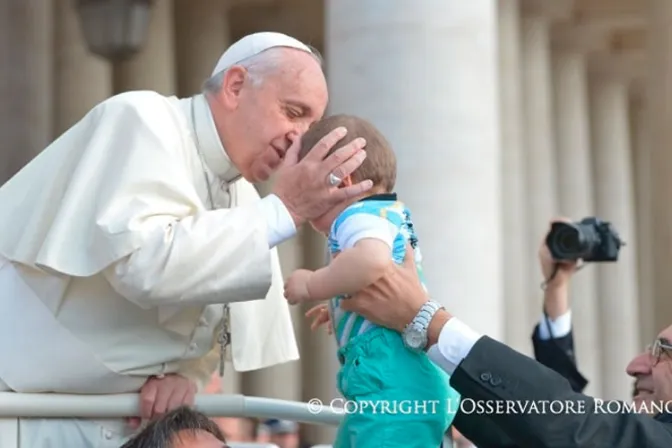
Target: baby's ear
(347, 182)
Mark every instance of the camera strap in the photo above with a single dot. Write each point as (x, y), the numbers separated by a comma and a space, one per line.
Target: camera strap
(556, 268)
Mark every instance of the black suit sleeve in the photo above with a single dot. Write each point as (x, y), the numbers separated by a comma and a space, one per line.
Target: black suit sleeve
(494, 373)
(482, 431)
(558, 354)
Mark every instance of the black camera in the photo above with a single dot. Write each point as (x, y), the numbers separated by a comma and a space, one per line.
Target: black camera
(590, 239)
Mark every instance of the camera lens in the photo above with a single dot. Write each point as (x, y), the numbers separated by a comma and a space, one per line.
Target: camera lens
(567, 241)
(587, 240)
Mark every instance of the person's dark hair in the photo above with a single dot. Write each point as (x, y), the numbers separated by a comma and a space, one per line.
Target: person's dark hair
(163, 433)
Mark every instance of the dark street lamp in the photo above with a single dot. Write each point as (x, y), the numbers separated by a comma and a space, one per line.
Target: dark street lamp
(114, 29)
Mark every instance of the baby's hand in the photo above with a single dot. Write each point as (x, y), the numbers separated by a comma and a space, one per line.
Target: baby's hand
(296, 287)
(320, 315)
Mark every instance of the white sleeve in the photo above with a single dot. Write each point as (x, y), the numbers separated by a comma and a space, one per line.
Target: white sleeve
(128, 208)
(365, 225)
(560, 327)
(280, 223)
(202, 262)
(455, 342)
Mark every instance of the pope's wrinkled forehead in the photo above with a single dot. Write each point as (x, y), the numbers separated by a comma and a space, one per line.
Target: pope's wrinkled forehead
(300, 82)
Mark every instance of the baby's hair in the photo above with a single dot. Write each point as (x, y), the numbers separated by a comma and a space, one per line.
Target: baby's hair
(380, 165)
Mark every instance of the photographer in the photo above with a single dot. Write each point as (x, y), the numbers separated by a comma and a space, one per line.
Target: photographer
(483, 369)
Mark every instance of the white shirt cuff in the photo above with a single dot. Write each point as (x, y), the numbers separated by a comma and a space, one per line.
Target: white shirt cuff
(560, 327)
(455, 342)
(280, 223)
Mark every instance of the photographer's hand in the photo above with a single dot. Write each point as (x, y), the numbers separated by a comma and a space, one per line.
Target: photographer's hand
(557, 276)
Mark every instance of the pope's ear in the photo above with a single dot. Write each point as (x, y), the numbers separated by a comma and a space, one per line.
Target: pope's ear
(232, 84)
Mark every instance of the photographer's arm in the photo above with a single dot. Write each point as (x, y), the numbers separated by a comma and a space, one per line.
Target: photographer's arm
(556, 319)
(552, 339)
(555, 349)
(557, 276)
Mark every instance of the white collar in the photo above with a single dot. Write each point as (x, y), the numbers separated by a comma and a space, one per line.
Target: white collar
(201, 122)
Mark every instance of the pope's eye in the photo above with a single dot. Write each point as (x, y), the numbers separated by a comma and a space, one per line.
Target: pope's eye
(293, 113)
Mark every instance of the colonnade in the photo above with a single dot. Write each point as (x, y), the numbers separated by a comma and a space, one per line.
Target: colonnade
(497, 129)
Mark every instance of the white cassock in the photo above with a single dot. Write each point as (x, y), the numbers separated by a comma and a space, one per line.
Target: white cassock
(113, 268)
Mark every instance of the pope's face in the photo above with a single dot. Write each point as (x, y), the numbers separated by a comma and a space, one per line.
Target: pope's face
(267, 116)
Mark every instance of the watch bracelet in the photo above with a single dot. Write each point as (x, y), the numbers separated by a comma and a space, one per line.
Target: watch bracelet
(425, 315)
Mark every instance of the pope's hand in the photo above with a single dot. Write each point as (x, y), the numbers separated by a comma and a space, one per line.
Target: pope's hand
(320, 316)
(161, 395)
(304, 186)
(296, 287)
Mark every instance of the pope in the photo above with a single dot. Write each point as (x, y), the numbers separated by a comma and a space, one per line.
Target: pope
(135, 253)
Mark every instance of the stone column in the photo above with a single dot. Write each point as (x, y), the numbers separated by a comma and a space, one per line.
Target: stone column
(81, 79)
(202, 35)
(153, 68)
(660, 98)
(540, 176)
(641, 141)
(515, 243)
(575, 194)
(319, 365)
(314, 375)
(615, 203)
(426, 74)
(26, 64)
(281, 381)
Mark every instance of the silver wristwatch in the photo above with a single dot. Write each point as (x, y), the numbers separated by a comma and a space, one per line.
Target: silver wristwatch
(415, 333)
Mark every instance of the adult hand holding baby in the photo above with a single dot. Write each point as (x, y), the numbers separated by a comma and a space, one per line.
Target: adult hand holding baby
(320, 316)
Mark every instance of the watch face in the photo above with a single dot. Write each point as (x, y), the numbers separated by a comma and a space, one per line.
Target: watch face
(415, 338)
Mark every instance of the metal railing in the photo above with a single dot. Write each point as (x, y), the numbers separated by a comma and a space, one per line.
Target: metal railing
(127, 405)
(23, 405)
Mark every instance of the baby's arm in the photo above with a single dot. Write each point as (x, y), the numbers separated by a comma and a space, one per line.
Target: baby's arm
(352, 270)
(366, 241)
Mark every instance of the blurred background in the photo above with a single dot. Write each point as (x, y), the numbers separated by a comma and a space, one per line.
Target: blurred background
(503, 113)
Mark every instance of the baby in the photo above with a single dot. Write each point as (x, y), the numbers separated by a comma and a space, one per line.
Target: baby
(404, 399)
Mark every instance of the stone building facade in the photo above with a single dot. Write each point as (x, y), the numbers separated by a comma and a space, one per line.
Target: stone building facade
(503, 113)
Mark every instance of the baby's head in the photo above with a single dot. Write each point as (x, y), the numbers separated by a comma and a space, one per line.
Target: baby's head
(380, 165)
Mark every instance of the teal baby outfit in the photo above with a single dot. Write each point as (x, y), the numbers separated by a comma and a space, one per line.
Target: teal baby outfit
(394, 396)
